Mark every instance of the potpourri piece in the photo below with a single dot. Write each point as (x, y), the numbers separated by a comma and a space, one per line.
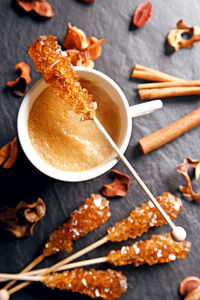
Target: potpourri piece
(144, 217)
(56, 68)
(159, 249)
(184, 36)
(86, 218)
(183, 169)
(108, 284)
(8, 154)
(190, 288)
(41, 7)
(119, 187)
(142, 14)
(82, 50)
(21, 220)
(19, 86)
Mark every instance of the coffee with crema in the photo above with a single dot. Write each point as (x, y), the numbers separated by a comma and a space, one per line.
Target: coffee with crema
(62, 140)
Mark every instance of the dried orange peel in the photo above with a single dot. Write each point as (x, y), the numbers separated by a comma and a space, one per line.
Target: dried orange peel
(82, 50)
(187, 190)
(8, 154)
(57, 71)
(20, 84)
(175, 36)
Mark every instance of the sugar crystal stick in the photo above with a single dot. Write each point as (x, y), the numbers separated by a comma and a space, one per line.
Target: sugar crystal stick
(108, 284)
(56, 68)
(89, 216)
(86, 218)
(144, 217)
(138, 222)
(158, 249)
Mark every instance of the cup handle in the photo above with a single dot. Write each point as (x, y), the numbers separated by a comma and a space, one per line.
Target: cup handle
(145, 108)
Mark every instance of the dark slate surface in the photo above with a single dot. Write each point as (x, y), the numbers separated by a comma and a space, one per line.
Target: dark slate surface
(125, 46)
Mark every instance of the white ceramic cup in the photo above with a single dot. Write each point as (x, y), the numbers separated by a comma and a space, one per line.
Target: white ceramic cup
(126, 113)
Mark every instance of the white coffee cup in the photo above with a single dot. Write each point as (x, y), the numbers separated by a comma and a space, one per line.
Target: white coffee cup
(126, 113)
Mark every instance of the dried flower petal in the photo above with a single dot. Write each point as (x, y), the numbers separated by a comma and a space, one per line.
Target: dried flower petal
(75, 38)
(85, 63)
(80, 49)
(8, 154)
(74, 55)
(119, 187)
(78, 58)
(41, 7)
(183, 169)
(19, 85)
(142, 14)
(21, 220)
(94, 49)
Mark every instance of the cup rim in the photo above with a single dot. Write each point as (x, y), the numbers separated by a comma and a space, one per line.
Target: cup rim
(39, 163)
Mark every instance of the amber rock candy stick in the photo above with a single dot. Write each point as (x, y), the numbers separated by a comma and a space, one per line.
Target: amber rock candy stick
(86, 218)
(144, 217)
(107, 284)
(159, 249)
(56, 68)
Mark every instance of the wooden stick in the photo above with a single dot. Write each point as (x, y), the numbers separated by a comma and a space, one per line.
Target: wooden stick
(147, 94)
(18, 287)
(78, 254)
(34, 274)
(64, 261)
(27, 268)
(151, 74)
(177, 232)
(19, 276)
(192, 83)
(170, 132)
(77, 264)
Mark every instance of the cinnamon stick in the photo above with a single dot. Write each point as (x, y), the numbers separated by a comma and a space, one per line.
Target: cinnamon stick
(169, 84)
(148, 94)
(151, 74)
(170, 132)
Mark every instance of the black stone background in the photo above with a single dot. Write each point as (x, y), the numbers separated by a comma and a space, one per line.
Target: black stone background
(125, 46)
